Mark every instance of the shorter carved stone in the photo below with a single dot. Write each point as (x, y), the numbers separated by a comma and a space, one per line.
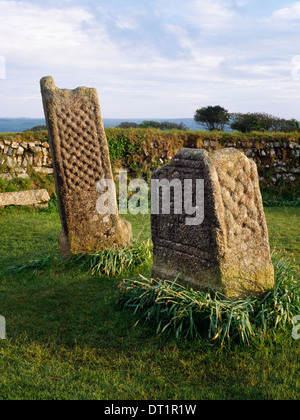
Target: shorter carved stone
(230, 250)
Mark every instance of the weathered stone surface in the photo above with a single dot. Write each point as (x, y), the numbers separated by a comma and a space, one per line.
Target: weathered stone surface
(230, 250)
(36, 198)
(80, 159)
(47, 171)
(6, 177)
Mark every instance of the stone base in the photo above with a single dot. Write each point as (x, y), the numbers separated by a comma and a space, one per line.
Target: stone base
(64, 247)
(80, 246)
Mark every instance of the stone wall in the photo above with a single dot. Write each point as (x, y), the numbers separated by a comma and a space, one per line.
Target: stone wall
(16, 157)
(276, 160)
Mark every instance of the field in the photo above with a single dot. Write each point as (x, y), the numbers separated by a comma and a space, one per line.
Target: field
(67, 338)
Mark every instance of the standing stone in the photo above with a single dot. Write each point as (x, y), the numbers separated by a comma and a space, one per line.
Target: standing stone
(229, 250)
(81, 161)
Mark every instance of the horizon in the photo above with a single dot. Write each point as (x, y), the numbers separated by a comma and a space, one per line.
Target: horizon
(104, 118)
(20, 124)
(160, 57)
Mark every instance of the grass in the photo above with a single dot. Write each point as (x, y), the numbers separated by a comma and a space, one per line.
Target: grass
(110, 262)
(116, 262)
(36, 181)
(185, 312)
(284, 230)
(67, 338)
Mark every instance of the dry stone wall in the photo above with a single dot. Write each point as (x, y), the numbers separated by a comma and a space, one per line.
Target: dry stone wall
(16, 157)
(276, 160)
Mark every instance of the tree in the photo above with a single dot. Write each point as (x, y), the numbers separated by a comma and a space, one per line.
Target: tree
(253, 122)
(166, 125)
(128, 125)
(288, 126)
(149, 124)
(262, 122)
(163, 125)
(212, 117)
(37, 128)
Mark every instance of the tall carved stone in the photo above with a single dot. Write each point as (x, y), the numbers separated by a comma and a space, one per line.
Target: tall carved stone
(81, 161)
(230, 249)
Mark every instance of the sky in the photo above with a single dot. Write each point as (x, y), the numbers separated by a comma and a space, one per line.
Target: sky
(153, 58)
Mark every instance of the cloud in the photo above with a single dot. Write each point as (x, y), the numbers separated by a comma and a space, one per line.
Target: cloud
(126, 22)
(287, 13)
(31, 33)
(151, 58)
(213, 16)
(130, 44)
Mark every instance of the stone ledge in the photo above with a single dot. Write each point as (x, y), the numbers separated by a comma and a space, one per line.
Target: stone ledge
(35, 198)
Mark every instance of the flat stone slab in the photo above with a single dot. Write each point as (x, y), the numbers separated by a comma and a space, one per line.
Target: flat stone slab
(82, 167)
(36, 198)
(229, 251)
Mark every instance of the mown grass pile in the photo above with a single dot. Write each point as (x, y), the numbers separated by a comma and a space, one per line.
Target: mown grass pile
(113, 262)
(110, 262)
(187, 313)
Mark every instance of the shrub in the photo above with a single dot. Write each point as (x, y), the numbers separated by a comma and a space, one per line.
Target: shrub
(262, 122)
(141, 151)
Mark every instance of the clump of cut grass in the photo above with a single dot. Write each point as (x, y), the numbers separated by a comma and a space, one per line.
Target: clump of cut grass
(33, 265)
(179, 310)
(280, 202)
(185, 312)
(113, 262)
(110, 262)
(281, 304)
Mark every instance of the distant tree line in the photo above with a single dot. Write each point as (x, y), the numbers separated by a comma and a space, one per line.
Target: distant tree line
(37, 128)
(262, 122)
(163, 125)
(216, 118)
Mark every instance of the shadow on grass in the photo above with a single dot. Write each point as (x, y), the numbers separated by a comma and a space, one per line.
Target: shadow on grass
(66, 307)
(68, 338)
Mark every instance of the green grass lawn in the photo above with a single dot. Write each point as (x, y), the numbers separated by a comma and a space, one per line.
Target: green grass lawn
(68, 339)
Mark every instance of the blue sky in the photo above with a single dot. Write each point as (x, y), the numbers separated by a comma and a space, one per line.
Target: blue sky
(153, 58)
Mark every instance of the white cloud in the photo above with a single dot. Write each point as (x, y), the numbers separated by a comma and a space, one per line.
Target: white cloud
(32, 34)
(220, 9)
(287, 13)
(214, 16)
(126, 22)
(210, 16)
(151, 58)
